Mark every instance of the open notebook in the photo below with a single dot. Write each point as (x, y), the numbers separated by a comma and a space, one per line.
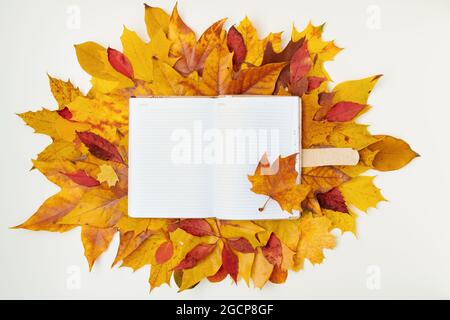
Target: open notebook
(191, 157)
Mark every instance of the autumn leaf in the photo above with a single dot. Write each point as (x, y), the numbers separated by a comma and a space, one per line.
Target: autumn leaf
(391, 154)
(196, 227)
(314, 238)
(156, 19)
(361, 192)
(64, 92)
(83, 179)
(323, 179)
(333, 200)
(120, 63)
(95, 242)
(257, 80)
(230, 262)
(236, 44)
(279, 182)
(241, 245)
(99, 147)
(273, 251)
(344, 111)
(164, 252)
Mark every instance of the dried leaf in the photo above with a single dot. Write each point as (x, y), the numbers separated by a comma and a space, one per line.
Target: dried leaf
(95, 242)
(279, 182)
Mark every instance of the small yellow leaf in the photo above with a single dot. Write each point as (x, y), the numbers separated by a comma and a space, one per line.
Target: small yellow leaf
(108, 175)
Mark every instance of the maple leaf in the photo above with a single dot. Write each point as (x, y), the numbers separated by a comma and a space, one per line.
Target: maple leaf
(64, 92)
(361, 192)
(95, 242)
(315, 237)
(323, 179)
(279, 182)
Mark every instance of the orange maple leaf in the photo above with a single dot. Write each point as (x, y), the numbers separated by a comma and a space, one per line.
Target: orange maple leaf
(279, 182)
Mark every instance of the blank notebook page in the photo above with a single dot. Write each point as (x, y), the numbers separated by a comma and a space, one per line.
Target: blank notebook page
(191, 157)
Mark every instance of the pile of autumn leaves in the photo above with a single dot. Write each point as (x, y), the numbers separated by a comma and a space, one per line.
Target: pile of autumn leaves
(87, 158)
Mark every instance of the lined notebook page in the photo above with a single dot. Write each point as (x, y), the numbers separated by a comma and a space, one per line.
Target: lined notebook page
(190, 157)
(275, 122)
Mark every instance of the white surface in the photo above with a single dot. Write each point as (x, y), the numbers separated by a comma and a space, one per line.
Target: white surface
(405, 241)
(190, 157)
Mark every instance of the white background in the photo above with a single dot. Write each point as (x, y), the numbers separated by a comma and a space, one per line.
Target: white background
(405, 241)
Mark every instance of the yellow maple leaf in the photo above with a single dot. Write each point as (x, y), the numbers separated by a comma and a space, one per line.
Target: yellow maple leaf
(279, 182)
(314, 238)
(95, 242)
(361, 192)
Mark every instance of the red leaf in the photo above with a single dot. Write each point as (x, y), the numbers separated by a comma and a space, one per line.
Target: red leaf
(241, 245)
(100, 147)
(194, 256)
(219, 276)
(120, 63)
(236, 44)
(333, 200)
(344, 111)
(314, 82)
(82, 178)
(173, 226)
(273, 251)
(164, 252)
(301, 63)
(65, 113)
(196, 227)
(230, 262)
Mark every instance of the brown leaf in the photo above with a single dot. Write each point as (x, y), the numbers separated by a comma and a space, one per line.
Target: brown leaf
(279, 182)
(301, 63)
(323, 179)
